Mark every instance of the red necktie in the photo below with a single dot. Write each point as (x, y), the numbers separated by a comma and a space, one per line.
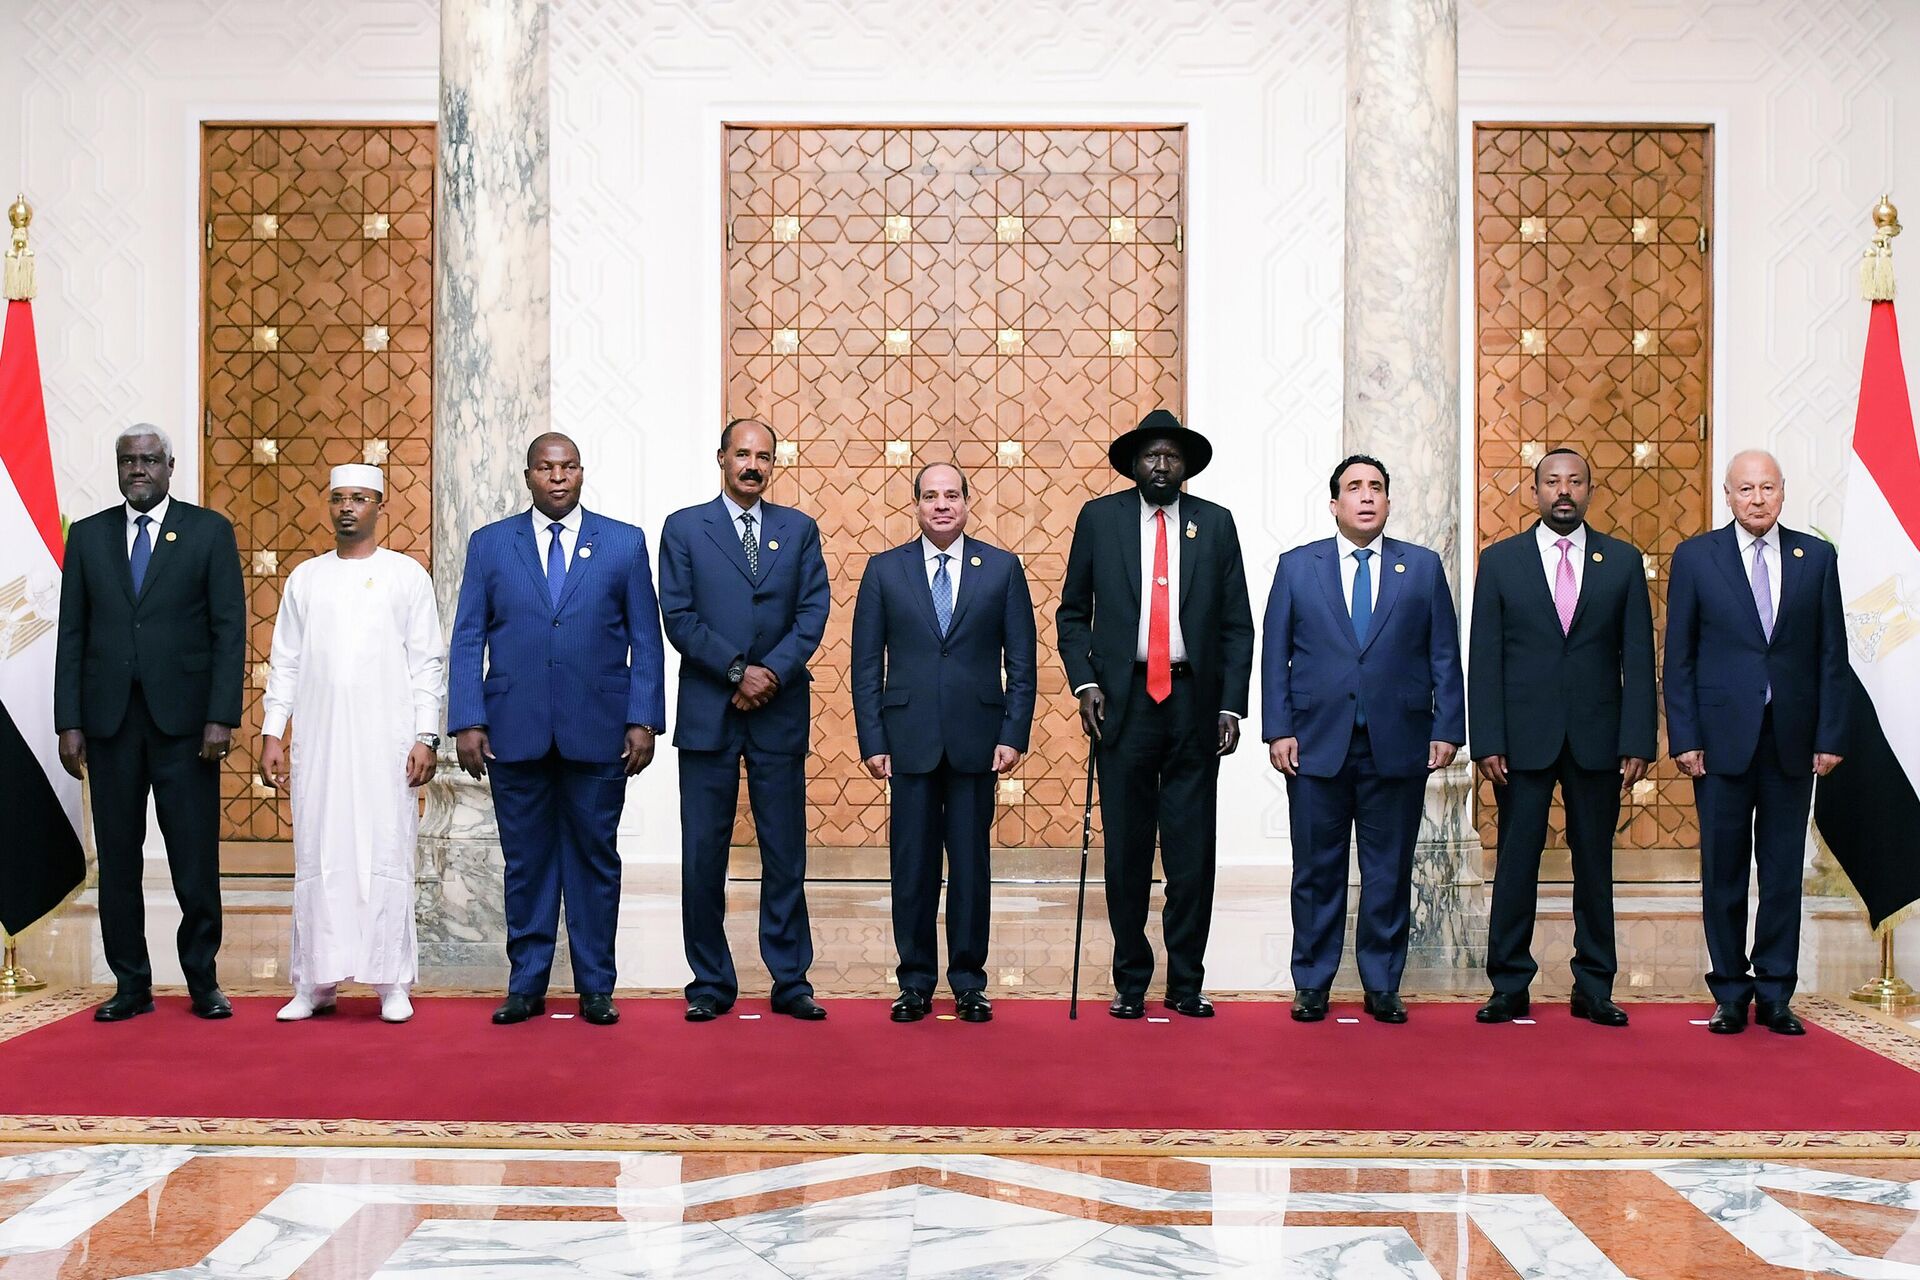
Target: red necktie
(1159, 620)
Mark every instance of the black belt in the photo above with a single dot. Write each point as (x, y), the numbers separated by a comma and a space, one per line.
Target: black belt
(1180, 669)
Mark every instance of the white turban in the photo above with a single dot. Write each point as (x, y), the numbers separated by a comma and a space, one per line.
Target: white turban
(357, 475)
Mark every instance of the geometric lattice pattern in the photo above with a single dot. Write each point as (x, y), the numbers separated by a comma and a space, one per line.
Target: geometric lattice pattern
(318, 334)
(1593, 304)
(1007, 298)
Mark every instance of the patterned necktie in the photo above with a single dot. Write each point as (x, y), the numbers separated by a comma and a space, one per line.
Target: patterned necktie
(1159, 619)
(943, 595)
(1565, 593)
(142, 551)
(749, 543)
(556, 564)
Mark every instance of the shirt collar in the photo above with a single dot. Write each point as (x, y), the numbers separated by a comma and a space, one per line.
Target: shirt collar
(570, 521)
(735, 510)
(928, 551)
(1771, 538)
(1147, 509)
(158, 514)
(1546, 537)
(1348, 547)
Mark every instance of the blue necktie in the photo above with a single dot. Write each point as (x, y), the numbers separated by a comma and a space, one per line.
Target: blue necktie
(943, 595)
(142, 551)
(1362, 613)
(556, 564)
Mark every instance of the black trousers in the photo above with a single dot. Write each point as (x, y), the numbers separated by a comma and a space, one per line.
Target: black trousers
(1161, 773)
(123, 767)
(1592, 803)
(1757, 818)
(951, 810)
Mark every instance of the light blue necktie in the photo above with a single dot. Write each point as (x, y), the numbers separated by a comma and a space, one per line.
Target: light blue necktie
(142, 551)
(556, 564)
(943, 595)
(1362, 608)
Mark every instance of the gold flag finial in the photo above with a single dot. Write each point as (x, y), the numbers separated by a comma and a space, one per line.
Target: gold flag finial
(1876, 265)
(19, 273)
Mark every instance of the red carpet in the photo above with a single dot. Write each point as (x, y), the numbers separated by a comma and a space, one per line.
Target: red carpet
(1249, 1069)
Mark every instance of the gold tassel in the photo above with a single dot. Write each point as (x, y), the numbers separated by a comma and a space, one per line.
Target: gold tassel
(19, 273)
(1876, 265)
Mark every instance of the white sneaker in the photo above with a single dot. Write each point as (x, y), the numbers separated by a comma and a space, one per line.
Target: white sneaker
(307, 1002)
(394, 1005)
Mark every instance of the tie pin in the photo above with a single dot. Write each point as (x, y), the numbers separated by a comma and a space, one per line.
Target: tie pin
(1160, 582)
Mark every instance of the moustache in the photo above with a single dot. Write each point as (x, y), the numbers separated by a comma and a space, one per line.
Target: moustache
(750, 474)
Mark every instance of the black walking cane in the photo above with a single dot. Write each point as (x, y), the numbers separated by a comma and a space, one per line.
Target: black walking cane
(1080, 913)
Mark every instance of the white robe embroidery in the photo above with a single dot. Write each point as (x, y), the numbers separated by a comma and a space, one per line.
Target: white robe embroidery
(358, 663)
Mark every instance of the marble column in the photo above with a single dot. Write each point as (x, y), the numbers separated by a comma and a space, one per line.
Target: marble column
(1403, 362)
(490, 397)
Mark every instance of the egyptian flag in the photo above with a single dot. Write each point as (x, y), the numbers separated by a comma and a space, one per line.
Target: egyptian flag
(41, 860)
(1866, 809)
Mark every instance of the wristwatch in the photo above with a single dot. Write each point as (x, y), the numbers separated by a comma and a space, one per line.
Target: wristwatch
(429, 740)
(737, 672)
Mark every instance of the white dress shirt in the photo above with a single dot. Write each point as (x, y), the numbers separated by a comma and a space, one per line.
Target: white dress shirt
(1550, 555)
(735, 511)
(931, 561)
(1350, 566)
(1149, 539)
(1772, 553)
(158, 516)
(543, 534)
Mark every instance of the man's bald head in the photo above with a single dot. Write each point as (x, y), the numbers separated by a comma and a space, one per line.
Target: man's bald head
(1755, 490)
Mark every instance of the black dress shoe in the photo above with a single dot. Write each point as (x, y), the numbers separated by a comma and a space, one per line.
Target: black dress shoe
(1385, 1006)
(1503, 1006)
(599, 1010)
(211, 1005)
(1128, 1007)
(703, 1009)
(124, 1005)
(801, 1007)
(911, 1006)
(1778, 1018)
(973, 1006)
(519, 1009)
(1310, 1004)
(1190, 1006)
(1728, 1019)
(1599, 1011)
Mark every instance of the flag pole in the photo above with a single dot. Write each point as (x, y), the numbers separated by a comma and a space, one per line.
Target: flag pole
(1889, 991)
(15, 979)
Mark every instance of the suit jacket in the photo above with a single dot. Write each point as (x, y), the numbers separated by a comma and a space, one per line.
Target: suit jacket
(183, 639)
(572, 677)
(1535, 689)
(1720, 663)
(918, 695)
(717, 610)
(1314, 675)
(1099, 613)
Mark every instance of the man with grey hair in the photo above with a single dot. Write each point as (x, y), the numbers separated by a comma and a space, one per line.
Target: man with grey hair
(146, 696)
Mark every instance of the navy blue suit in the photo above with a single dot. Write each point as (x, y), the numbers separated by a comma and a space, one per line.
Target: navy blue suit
(1758, 752)
(555, 687)
(717, 610)
(1364, 780)
(936, 705)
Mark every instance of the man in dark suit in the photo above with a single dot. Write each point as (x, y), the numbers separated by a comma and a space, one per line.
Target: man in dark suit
(556, 689)
(1561, 692)
(937, 622)
(1157, 638)
(1360, 699)
(744, 589)
(1756, 686)
(146, 695)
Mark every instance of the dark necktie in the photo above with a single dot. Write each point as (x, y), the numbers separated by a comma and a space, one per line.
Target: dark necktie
(943, 595)
(142, 551)
(749, 544)
(1362, 612)
(556, 564)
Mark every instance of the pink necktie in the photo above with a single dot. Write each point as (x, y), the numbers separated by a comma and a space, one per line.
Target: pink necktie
(1565, 594)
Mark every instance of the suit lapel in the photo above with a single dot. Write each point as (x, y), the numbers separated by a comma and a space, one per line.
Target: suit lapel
(1726, 554)
(1327, 561)
(529, 552)
(720, 529)
(774, 537)
(913, 580)
(117, 553)
(582, 563)
(969, 586)
(1127, 531)
(1190, 553)
(1391, 566)
(1592, 575)
(1793, 572)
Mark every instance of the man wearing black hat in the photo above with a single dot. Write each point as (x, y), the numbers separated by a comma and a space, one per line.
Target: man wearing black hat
(1157, 636)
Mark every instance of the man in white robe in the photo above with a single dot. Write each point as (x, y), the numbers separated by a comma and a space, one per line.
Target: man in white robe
(358, 663)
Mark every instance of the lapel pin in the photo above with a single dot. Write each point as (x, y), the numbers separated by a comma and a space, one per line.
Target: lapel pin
(1193, 530)
(368, 584)
(774, 545)
(586, 551)
(1597, 557)
(1798, 552)
(975, 561)
(1399, 568)
(174, 537)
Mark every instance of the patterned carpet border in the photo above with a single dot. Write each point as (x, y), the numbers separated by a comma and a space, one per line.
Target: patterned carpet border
(1858, 1024)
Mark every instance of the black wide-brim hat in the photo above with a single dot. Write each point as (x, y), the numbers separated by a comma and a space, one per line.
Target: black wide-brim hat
(1160, 425)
